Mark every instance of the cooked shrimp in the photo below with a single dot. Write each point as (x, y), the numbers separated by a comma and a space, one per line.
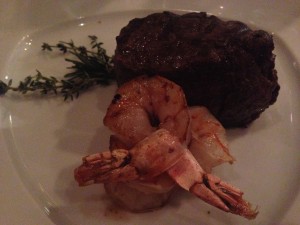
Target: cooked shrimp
(138, 109)
(163, 149)
(145, 104)
(208, 140)
(158, 153)
(151, 194)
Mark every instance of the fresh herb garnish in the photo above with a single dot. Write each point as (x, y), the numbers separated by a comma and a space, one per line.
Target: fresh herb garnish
(89, 68)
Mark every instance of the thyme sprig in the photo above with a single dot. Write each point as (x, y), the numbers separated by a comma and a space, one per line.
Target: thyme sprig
(89, 68)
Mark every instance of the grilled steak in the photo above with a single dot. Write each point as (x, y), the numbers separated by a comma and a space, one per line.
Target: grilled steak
(223, 65)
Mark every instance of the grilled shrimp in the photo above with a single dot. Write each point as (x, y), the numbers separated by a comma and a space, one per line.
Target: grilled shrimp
(158, 153)
(208, 142)
(145, 104)
(151, 122)
(208, 139)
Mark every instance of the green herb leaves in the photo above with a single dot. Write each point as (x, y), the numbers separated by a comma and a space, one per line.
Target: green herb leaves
(88, 68)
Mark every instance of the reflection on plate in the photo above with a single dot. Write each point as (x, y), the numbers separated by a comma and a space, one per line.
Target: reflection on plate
(48, 137)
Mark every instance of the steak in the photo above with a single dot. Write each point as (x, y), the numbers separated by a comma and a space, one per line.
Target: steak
(223, 65)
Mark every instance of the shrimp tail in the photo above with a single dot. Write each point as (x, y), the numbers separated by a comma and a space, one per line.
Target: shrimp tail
(223, 196)
(105, 166)
(147, 159)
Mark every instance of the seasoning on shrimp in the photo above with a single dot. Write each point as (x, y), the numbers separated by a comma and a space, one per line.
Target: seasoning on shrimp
(145, 104)
(150, 158)
(153, 127)
(208, 139)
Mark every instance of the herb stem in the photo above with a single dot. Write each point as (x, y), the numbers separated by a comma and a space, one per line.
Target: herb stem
(89, 68)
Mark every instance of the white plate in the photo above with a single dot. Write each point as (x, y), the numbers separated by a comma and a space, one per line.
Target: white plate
(45, 138)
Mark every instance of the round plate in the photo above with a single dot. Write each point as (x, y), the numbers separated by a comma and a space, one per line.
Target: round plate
(46, 137)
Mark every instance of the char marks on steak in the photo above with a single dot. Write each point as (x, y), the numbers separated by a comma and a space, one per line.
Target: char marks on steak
(223, 65)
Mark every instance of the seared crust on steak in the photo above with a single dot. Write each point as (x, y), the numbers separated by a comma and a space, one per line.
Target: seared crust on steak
(223, 65)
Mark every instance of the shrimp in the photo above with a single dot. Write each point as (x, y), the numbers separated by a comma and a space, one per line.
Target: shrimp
(208, 141)
(151, 122)
(151, 194)
(148, 103)
(158, 153)
(145, 104)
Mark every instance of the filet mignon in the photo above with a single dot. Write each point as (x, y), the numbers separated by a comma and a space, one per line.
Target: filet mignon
(223, 65)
